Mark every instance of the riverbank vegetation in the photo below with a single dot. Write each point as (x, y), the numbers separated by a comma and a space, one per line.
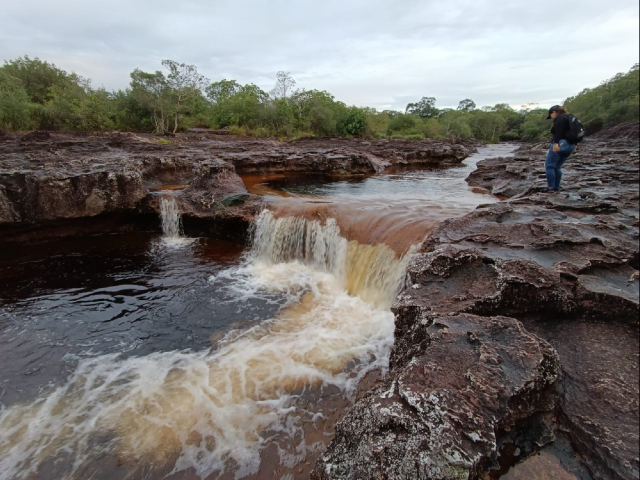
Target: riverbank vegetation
(35, 94)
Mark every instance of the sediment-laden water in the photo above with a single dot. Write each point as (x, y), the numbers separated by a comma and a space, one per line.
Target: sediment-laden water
(128, 356)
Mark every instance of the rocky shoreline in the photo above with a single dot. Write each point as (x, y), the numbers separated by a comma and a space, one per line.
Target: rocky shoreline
(61, 182)
(520, 326)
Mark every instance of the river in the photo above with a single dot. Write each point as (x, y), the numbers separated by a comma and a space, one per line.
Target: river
(149, 356)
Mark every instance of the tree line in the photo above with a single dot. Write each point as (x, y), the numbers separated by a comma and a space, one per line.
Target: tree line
(35, 94)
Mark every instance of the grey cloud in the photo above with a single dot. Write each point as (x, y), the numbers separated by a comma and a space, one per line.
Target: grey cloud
(364, 52)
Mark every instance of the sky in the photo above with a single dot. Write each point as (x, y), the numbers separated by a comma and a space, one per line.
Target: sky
(366, 53)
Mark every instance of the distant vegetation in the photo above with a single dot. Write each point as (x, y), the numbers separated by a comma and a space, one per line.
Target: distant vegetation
(37, 94)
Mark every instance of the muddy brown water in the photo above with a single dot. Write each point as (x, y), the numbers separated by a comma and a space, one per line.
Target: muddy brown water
(138, 356)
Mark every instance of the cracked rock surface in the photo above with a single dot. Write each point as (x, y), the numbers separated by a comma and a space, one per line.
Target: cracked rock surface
(561, 270)
(478, 383)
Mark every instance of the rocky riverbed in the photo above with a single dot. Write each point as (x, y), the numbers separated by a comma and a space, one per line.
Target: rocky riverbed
(50, 179)
(517, 334)
(519, 327)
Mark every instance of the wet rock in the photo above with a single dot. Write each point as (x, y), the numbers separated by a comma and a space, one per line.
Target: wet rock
(217, 191)
(478, 385)
(625, 131)
(36, 136)
(46, 176)
(42, 196)
(566, 265)
(556, 461)
(598, 390)
(7, 215)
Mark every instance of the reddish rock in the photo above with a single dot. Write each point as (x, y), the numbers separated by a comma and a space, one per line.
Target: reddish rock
(46, 176)
(566, 265)
(477, 385)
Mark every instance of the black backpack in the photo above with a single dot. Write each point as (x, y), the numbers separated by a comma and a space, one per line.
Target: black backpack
(576, 131)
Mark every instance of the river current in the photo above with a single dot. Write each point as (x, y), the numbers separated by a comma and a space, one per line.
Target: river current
(148, 356)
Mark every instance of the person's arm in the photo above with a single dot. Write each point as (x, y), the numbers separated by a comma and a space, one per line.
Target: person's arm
(559, 128)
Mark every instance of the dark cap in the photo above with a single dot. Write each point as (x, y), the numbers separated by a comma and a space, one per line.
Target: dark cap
(555, 108)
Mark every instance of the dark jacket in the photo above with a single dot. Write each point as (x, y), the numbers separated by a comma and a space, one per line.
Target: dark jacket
(561, 128)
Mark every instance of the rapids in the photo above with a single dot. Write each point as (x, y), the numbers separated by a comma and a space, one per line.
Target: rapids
(135, 357)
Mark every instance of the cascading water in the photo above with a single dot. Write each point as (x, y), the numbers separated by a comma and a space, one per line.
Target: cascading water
(218, 411)
(170, 217)
(172, 231)
(372, 272)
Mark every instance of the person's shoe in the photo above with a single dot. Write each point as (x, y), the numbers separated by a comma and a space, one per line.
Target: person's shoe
(545, 190)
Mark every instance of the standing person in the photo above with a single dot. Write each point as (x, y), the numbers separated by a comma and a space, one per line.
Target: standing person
(560, 148)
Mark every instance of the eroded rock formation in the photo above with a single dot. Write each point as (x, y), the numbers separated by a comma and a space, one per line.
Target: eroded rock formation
(565, 265)
(47, 177)
(477, 385)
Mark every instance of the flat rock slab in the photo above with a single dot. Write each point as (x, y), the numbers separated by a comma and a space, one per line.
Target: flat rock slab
(480, 384)
(556, 461)
(598, 391)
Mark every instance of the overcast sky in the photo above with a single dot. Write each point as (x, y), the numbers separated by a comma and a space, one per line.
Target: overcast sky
(367, 53)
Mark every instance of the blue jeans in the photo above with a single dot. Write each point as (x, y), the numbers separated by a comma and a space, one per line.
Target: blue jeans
(554, 162)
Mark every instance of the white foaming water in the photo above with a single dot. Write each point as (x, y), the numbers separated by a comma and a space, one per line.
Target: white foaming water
(216, 411)
(172, 232)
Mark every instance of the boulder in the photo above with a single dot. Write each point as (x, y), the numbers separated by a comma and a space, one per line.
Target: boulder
(477, 386)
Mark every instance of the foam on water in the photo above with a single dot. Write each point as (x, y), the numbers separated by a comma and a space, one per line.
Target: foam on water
(215, 411)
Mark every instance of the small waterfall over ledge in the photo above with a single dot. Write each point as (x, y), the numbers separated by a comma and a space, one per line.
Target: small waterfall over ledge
(373, 272)
(172, 231)
(170, 217)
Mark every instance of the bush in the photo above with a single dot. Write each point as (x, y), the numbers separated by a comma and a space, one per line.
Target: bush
(402, 122)
(510, 136)
(15, 107)
(37, 94)
(407, 136)
(352, 122)
(594, 126)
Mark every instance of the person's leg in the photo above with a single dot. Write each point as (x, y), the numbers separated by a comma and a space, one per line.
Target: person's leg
(550, 167)
(566, 149)
(558, 172)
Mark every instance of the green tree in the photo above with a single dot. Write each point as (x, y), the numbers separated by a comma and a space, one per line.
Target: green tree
(487, 125)
(316, 112)
(245, 108)
(218, 91)
(15, 107)
(63, 108)
(612, 102)
(467, 105)
(38, 77)
(352, 122)
(535, 125)
(96, 111)
(455, 124)
(284, 85)
(425, 108)
(280, 118)
(153, 92)
(402, 123)
(185, 84)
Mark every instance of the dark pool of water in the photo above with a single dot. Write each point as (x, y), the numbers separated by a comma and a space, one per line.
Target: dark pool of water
(95, 295)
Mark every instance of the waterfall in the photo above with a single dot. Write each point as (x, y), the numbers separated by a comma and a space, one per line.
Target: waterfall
(372, 272)
(216, 412)
(170, 217)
